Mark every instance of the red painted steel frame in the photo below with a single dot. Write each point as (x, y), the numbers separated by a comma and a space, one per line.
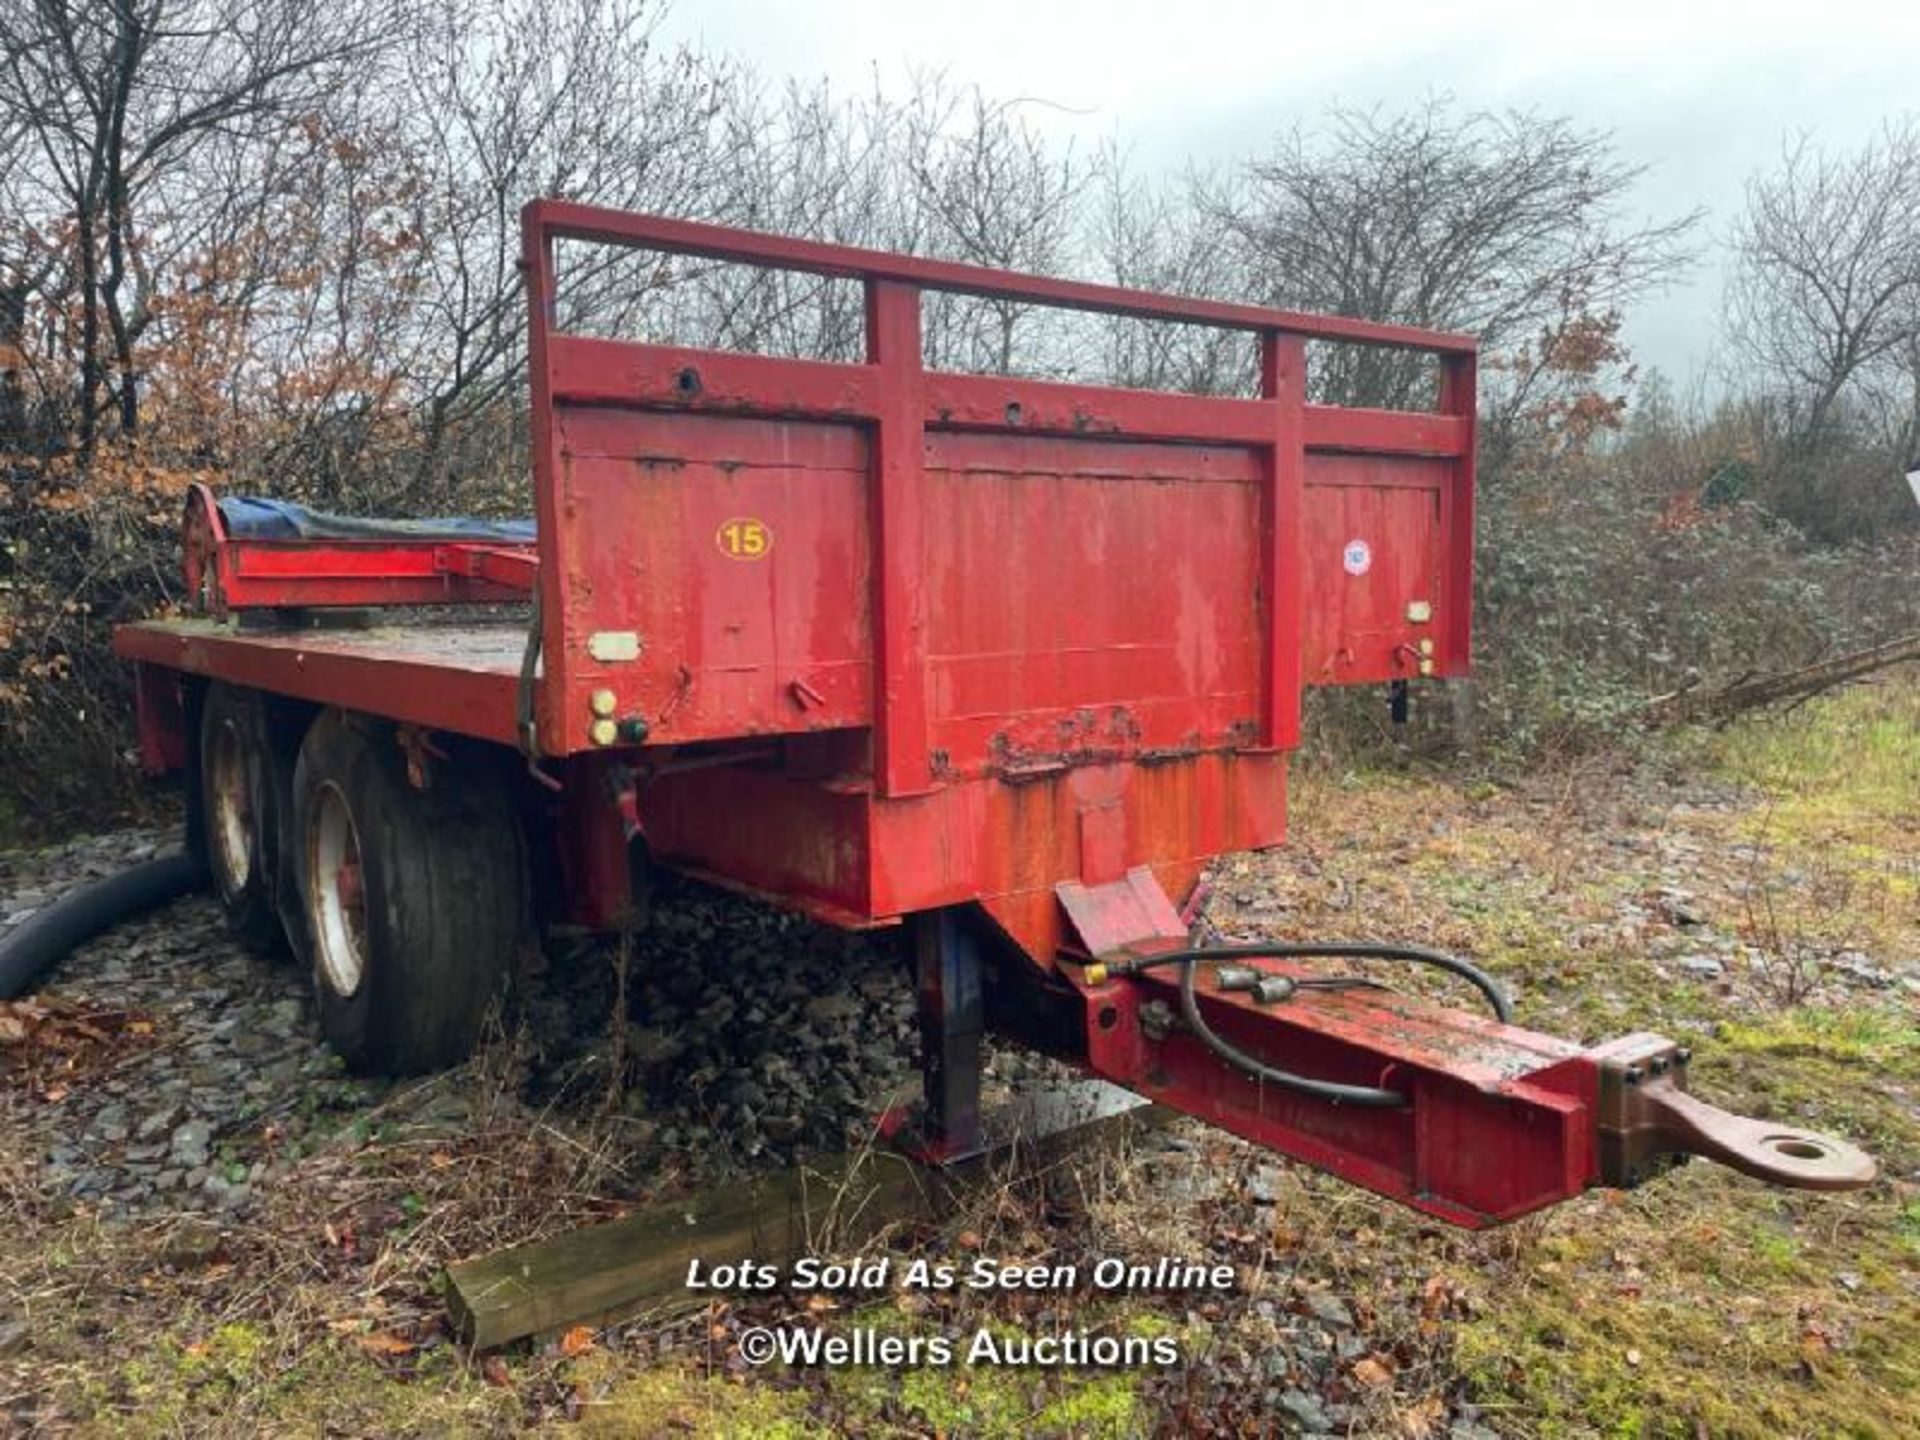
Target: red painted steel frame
(1008, 633)
(563, 219)
(460, 679)
(1073, 622)
(1500, 1121)
(226, 573)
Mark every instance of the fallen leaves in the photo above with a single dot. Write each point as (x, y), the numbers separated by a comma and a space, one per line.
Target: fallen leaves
(1816, 1343)
(1373, 1371)
(1425, 1416)
(1442, 1297)
(46, 1044)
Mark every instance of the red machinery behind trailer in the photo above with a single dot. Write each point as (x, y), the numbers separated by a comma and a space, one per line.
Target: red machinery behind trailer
(1009, 659)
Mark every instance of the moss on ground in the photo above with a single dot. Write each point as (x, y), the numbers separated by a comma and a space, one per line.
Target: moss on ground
(238, 1378)
(1832, 830)
(963, 1399)
(1844, 766)
(675, 1400)
(1706, 1304)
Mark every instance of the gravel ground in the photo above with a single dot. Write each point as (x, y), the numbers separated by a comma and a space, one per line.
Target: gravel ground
(208, 1042)
(752, 1035)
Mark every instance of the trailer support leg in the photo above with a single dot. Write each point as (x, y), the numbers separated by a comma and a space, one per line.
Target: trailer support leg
(952, 1021)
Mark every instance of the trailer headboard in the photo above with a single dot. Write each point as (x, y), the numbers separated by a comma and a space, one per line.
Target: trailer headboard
(991, 574)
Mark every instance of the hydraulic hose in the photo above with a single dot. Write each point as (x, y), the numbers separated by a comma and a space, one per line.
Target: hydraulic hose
(1330, 1090)
(35, 945)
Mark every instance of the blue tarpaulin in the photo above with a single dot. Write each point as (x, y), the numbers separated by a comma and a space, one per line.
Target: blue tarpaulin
(250, 517)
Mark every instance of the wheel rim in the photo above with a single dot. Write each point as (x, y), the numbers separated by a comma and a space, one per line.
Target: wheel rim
(230, 790)
(336, 891)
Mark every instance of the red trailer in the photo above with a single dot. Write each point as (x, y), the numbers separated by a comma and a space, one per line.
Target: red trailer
(1004, 659)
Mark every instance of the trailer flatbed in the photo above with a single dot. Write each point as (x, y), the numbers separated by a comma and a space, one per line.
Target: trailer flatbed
(461, 678)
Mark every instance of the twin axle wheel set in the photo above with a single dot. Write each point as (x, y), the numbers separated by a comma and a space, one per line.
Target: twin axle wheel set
(407, 901)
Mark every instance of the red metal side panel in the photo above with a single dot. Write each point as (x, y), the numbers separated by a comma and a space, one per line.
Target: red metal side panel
(735, 551)
(1283, 583)
(1098, 824)
(1088, 599)
(255, 574)
(842, 853)
(1460, 398)
(804, 843)
(1375, 555)
(1093, 823)
(897, 510)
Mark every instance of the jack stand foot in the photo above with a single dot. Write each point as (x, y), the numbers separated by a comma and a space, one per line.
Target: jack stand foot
(945, 1127)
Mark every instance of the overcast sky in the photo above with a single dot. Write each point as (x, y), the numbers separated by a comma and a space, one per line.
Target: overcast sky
(1703, 93)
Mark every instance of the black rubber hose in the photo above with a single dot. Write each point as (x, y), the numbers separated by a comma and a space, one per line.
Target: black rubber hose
(36, 944)
(1363, 1095)
(1330, 950)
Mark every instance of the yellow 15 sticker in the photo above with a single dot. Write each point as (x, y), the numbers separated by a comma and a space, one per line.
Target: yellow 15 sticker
(743, 539)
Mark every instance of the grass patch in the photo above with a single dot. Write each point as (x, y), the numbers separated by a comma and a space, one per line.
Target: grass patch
(1869, 1035)
(1845, 764)
(961, 1399)
(1830, 858)
(1704, 1305)
(670, 1400)
(242, 1378)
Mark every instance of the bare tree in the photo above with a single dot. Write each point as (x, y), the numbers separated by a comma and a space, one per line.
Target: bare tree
(816, 164)
(507, 100)
(1828, 266)
(18, 281)
(936, 169)
(1823, 308)
(993, 192)
(1149, 237)
(1512, 226)
(118, 95)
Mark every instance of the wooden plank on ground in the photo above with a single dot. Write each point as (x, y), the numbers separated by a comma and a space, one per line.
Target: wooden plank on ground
(639, 1263)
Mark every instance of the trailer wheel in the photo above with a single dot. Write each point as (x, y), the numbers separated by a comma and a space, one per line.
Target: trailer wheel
(415, 899)
(237, 803)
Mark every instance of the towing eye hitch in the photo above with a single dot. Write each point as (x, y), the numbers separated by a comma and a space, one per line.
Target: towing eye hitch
(1645, 1117)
